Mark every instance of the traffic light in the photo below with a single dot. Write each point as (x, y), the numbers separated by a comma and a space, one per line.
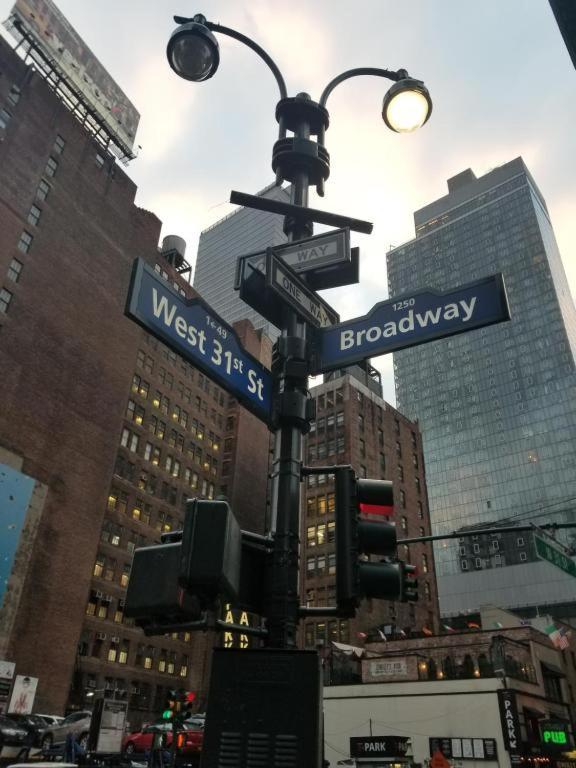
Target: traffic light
(173, 583)
(408, 583)
(357, 577)
(172, 706)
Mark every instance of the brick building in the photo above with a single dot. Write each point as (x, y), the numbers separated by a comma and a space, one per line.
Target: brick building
(111, 429)
(354, 425)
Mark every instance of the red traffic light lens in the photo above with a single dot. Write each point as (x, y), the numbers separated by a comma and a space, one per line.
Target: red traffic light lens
(190, 696)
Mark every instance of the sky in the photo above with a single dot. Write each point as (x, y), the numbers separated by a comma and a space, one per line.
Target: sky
(499, 75)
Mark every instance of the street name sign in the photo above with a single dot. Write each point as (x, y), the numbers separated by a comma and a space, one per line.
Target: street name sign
(326, 260)
(411, 319)
(291, 289)
(194, 331)
(547, 550)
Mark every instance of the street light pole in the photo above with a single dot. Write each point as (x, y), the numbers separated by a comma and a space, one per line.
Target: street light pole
(193, 54)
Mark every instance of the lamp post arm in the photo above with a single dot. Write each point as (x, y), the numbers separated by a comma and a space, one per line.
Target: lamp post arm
(375, 71)
(256, 48)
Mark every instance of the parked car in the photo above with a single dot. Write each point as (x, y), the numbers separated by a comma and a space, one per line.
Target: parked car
(34, 725)
(14, 740)
(52, 719)
(189, 738)
(78, 724)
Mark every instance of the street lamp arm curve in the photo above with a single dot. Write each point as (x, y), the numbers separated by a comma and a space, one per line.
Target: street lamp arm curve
(256, 48)
(375, 71)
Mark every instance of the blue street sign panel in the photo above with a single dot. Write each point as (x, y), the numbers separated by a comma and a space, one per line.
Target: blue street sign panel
(409, 320)
(195, 332)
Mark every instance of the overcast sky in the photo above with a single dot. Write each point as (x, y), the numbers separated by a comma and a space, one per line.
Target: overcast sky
(499, 75)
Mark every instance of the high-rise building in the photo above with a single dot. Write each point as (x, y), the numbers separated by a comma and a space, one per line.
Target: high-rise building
(104, 431)
(242, 232)
(496, 406)
(355, 426)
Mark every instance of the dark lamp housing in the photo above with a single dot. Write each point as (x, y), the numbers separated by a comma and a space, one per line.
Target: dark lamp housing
(193, 52)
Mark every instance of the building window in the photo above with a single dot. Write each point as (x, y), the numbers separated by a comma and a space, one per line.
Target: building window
(99, 160)
(5, 117)
(34, 215)
(43, 190)
(51, 167)
(15, 270)
(129, 440)
(59, 144)
(417, 484)
(477, 562)
(402, 499)
(420, 510)
(400, 470)
(476, 548)
(520, 541)
(5, 299)
(523, 556)
(14, 95)
(424, 563)
(25, 242)
(464, 565)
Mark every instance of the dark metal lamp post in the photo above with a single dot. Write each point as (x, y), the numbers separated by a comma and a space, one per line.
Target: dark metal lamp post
(299, 159)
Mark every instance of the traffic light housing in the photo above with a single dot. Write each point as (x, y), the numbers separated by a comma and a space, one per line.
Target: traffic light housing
(173, 583)
(357, 577)
(408, 583)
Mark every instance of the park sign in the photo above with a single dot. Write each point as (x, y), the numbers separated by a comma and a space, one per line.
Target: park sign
(195, 332)
(408, 320)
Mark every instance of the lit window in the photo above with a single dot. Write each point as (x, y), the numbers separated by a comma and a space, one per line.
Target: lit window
(15, 270)
(43, 190)
(25, 242)
(425, 563)
(5, 299)
(99, 566)
(51, 167)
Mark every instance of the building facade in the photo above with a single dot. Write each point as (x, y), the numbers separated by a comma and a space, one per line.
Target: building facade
(496, 406)
(355, 426)
(104, 431)
(492, 697)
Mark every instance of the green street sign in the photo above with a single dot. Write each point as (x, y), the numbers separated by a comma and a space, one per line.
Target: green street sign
(547, 551)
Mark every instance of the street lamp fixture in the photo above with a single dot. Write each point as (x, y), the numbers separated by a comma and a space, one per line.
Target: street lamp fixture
(299, 156)
(407, 105)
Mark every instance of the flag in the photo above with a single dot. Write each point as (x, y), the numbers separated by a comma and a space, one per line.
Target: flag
(426, 631)
(382, 635)
(559, 636)
(473, 625)
(448, 629)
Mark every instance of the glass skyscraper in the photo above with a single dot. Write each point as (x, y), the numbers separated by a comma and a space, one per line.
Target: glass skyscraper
(242, 232)
(496, 406)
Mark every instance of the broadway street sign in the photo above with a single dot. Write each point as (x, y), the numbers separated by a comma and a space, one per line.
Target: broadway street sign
(326, 259)
(410, 320)
(195, 332)
(550, 552)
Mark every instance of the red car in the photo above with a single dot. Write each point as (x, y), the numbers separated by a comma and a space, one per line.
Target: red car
(189, 738)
